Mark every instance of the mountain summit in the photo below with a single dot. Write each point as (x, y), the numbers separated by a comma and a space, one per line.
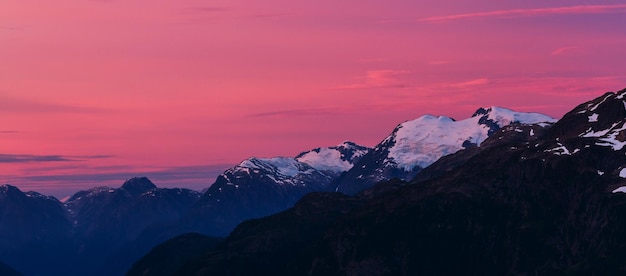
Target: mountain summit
(138, 185)
(414, 145)
(259, 187)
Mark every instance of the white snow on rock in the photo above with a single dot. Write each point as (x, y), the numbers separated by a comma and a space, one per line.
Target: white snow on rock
(562, 150)
(423, 141)
(326, 159)
(284, 165)
(592, 107)
(610, 139)
(593, 118)
(331, 159)
(622, 173)
(620, 190)
(505, 116)
(288, 169)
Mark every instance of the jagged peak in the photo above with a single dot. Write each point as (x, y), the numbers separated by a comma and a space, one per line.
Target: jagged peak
(9, 189)
(138, 185)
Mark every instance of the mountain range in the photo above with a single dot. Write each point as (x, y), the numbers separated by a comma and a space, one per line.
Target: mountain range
(488, 190)
(531, 199)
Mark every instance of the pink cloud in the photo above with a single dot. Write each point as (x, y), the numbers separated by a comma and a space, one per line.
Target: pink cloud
(564, 50)
(581, 9)
(475, 82)
(378, 79)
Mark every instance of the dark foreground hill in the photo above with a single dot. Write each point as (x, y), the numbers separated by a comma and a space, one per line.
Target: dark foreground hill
(5, 270)
(531, 200)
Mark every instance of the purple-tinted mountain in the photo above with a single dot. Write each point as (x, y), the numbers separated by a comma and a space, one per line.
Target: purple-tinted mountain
(34, 232)
(107, 221)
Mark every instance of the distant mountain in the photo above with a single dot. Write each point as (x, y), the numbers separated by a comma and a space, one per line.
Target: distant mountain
(536, 199)
(259, 187)
(108, 221)
(34, 232)
(414, 145)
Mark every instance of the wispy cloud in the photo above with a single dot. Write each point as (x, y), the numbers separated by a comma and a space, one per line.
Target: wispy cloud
(513, 13)
(30, 158)
(209, 9)
(469, 83)
(269, 15)
(378, 79)
(19, 105)
(295, 112)
(564, 50)
(8, 131)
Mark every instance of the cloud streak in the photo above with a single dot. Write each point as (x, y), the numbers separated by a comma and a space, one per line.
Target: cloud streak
(470, 83)
(17, 105)
(564, 50)
(515, 13)
(378, 79)
(30, 158)
(294, 112)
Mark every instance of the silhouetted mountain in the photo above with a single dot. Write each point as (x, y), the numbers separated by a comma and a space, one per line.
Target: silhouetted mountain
(414, 145)
(531, 200)
(108, 221)
(34, 232)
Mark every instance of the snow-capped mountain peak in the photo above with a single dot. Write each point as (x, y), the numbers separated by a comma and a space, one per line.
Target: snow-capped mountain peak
(335, 159)
(285, 166)
(504, 116)
(420, 142)
(416, 144)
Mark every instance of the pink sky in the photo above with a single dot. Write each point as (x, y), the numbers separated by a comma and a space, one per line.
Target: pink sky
(93, 92)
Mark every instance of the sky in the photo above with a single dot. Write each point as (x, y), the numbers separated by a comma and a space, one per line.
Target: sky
(93, 92)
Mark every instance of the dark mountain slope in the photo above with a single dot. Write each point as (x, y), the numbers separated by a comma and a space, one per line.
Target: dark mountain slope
(173, 254)
(6, 270)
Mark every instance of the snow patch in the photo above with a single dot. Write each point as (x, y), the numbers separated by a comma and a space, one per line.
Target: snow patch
(325, 160)
(283, 165)
(622, 173)
(593, 118)
(562, 150)
(421, 142)
(620, 190)
(593, 108)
